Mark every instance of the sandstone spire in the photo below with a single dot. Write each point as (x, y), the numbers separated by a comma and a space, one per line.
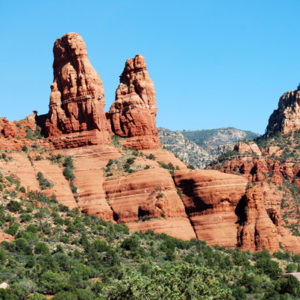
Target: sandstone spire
(134, 110)
(77, 96)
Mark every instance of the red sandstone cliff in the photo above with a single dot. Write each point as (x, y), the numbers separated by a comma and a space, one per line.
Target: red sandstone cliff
(134, 110)
(258, 231)
(286, 117)
(210, 199)
(76, 112)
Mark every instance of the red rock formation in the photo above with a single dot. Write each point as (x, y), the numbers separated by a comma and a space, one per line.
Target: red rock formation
(210, 199)
(286, 117)
(5, 237)
(134, 110)
(77, 97)
(13, 134)
(136, 199)
(249, 147)
(274, 216)
(258, 232)
(260, 169)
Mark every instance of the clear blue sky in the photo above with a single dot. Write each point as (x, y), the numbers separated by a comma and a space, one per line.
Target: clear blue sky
(214, 63)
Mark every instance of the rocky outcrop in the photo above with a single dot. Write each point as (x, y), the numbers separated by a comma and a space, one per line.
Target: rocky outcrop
(15, 135)
(261, 169)
(249, 147)
(286, 117)
(76, 112)
(258, 231)
(133, 113)
(211, 199)
(5, 237)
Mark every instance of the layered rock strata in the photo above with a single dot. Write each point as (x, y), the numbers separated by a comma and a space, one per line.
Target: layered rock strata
(76, 112)
(148, 200)
(210, 199)
(134, 110)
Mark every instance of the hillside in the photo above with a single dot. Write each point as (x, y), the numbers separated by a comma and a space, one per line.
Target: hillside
(186, 150)
(214, 140)
(200, 147)
(51, 251)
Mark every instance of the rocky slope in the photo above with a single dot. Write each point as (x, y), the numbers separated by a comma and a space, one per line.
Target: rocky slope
(200, 147)
(186, 150)
(218, 141)
(128, 178)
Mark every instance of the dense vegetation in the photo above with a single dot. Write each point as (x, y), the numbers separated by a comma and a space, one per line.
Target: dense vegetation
(61, 252)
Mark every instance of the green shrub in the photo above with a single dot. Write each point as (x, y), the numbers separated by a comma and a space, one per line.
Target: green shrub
(3, 256)
(150, 156)
(14, 206)
(44, 183)
(41, 248)
(29, 134)
(37, 296)
(23, 246)
(268, 267)
(22, 189)
(52, 282)
(289, 285)
(13, 229)
(130, 160)
(291, 268)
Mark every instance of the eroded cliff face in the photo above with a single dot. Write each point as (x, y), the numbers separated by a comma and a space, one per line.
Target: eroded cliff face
(286, 117)
(258, 231)
(134, 110)
(76, 112)
(210, 199)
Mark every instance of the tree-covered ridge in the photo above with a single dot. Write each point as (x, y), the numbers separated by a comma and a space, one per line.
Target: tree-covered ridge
(68, 255)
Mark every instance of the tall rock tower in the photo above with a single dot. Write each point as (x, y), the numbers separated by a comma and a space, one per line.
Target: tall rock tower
(134, 111)
(76, 112)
